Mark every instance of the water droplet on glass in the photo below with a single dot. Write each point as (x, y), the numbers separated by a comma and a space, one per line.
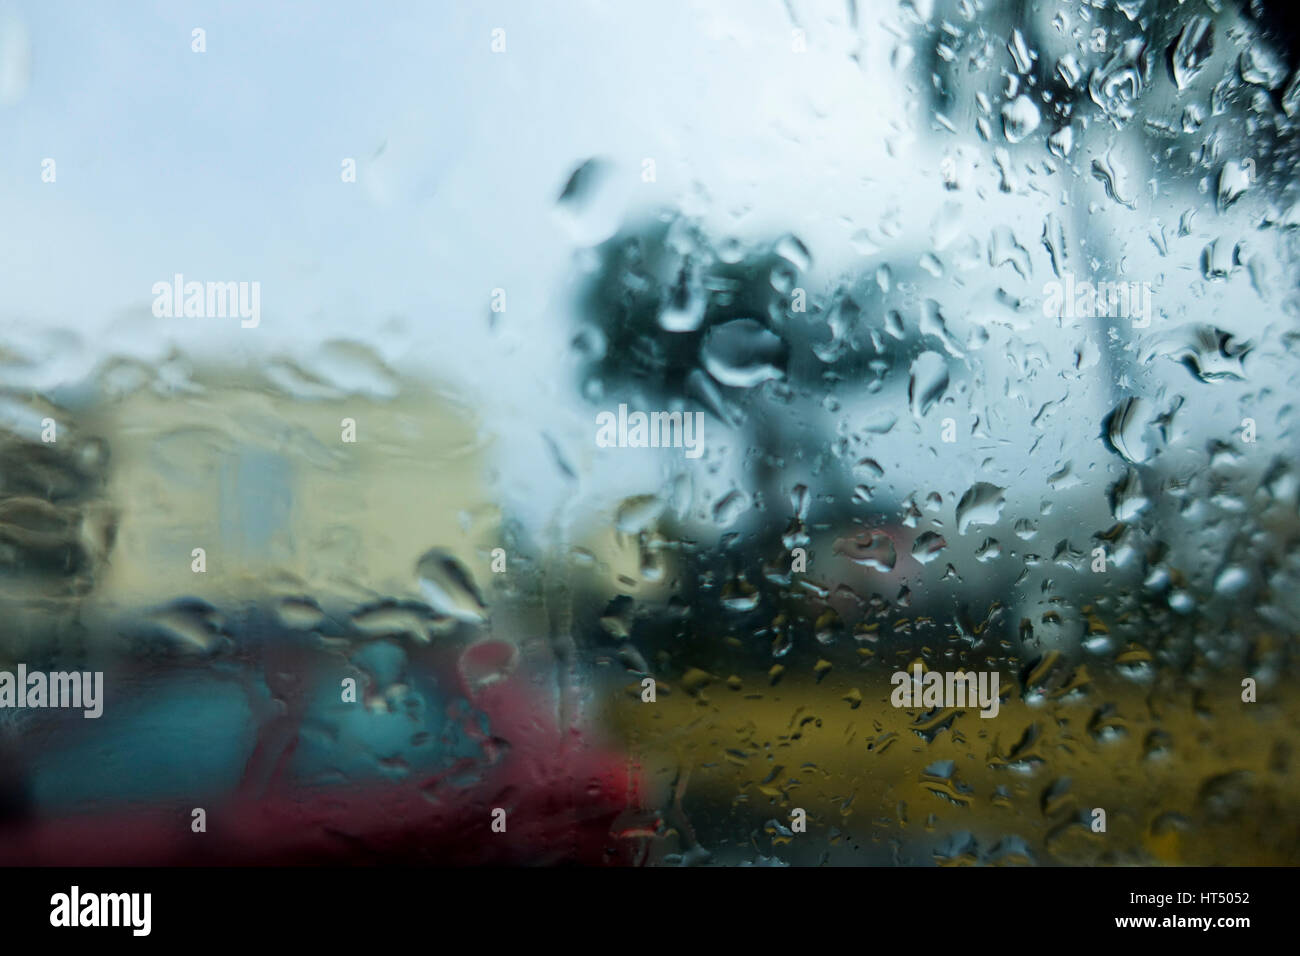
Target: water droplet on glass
(637, 513)
(927, 546)
(1116, 86)
(592, 202)
(1234, 179)
(1193, 48)
(1261, 66)
(1020, 117)
(873, 549)
(193, 626)
(927, 382)
(1128, 430)
(299, 613)
(980, 505)
(448, 586)
(742, 353)
(1127, 499)
(686, 302)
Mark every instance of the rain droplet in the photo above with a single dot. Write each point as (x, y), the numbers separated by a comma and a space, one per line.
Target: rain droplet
(1127, 430)
(1111, 175)
(1291, 97)
(927, 382)
(799, 500)
(449, 587)
(192, 625)
(1120, 82)
(299, 613)
(980, 505)
(1005, 248)
(869, 468)
(591, 203)
(1261, 66)
(354, 368)
(894, 323)
(1234, 179)
(1189, 54)
(637, 513)
(1020, 52)
(739, 595)
(486, 663)
(1218, 260)
(1214, 355)
(390, 618)
(731, 506)
(1127, 500)
(927, 546)
(792, 250)
(1020, 117)
(742, 353)
(873, 549)
(686, 302)
(1232, 580)
(1061, 142)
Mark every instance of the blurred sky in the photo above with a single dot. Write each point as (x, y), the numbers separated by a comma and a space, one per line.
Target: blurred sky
(226, 165)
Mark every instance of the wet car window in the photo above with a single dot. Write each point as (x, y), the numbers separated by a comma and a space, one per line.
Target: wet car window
(853, 433)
